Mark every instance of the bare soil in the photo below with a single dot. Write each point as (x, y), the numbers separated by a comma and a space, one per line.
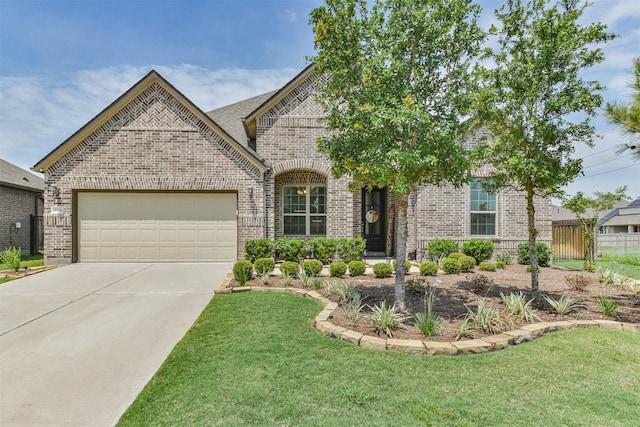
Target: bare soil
(456, 294)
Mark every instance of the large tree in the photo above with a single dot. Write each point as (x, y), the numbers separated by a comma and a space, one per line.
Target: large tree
(399, 79)
(627, 116)
(535, 101)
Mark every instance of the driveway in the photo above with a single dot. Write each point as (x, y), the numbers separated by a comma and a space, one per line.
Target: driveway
(78, 343)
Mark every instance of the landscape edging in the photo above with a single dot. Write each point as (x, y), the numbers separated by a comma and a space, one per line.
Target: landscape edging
(501, 341)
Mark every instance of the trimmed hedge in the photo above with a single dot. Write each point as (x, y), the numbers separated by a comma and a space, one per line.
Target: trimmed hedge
(337, 269)
(357, 268)
(290, 267)
(258, 248)
(488, 266)
(481, 250)
(291, 250)
(542, 251)
(382, 270)
(324, 249)
(262, 265)
(407, 265)
(312, 267)
(242, 271)
(351, 249)
(467, 263)
(428, 268)
(451, 266)
(442, 248)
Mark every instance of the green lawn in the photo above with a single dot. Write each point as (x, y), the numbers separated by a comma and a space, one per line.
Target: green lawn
(628, 270)
(254, 359)
(6, 279)
(27, 261)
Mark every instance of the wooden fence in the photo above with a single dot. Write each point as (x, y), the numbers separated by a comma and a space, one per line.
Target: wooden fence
(568, 242)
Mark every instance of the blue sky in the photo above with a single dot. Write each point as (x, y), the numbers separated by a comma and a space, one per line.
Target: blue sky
(62, 62)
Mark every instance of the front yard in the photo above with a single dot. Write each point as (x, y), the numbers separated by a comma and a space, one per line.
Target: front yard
(254, 358)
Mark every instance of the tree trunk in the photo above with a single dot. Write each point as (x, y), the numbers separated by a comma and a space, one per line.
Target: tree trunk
(533, 233)
(402, 233)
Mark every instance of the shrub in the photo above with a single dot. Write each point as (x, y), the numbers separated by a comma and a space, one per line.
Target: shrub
(480, 250)
(286, 278)
(305, 278)
(428, 268)
(385, 319)
(417, 285)
(382, 270)
(407, 265)
(260, 248)
(324, 249)
(343, 291)
(290, 249)
(564, 305)
(486, 317)
(312, 267)
(442, 248)
(428, 323)
(357, 268)
(456, 255)
(451, 266)
(479, 282)
(264, 265)
(337, 269)
(351, 249)
(542, 251)
(607, 305)
(501, 264)
(504, 257)
(578, 283)
(11, 257)
(517, 307)
(242, 271)
(353, 308)
(487, 266)
(290, 267)
(467, 263)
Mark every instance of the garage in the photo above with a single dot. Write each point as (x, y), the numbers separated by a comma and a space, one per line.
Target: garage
(156, 227)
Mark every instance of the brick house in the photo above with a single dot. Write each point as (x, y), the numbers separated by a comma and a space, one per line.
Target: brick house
(21, 205)
(154, 178)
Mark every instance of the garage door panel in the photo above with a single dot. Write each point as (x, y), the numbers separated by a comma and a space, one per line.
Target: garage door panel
(157, 227)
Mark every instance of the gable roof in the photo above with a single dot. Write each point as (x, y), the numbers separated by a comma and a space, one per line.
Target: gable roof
(13, 176)
(249, 121)
(106, 114)
(230, 117)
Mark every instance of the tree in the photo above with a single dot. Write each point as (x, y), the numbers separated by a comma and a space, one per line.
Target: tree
(396, 88)
(588, 211)
(628, 115)
(531, 92)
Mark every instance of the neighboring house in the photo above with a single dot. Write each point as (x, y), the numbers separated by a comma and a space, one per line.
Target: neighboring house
(154, 178)
(623, 219)
(21, 205)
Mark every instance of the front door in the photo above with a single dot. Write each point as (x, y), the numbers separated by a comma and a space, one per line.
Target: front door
(374, 220)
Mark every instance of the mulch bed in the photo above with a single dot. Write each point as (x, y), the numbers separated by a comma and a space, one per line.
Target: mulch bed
(456, 292)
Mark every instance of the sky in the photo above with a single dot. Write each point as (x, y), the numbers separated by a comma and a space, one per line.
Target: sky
(62, 62)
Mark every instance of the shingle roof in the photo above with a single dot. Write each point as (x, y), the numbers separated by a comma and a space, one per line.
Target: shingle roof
(13, 176)
(230, 117)
(633, 219)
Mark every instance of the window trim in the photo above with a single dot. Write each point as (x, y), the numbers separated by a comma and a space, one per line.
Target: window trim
(492, 212)
(307, 215)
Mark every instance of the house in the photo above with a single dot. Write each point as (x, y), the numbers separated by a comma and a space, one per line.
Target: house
(21, 206)
(154, 178)
(623, 219)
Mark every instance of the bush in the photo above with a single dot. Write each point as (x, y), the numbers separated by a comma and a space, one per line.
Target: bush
(428, 268)
(488, 266)
(337, 269)
(382, 270)
(291, 250)
(480, 250)
(442, 248)
(542, 251)
(263, 265)
(456, 255)
(504, 257)
(407, 265)
(501, 264)
(451, 266)
(351, 249)
(467, 263)
(242, 271)
(324, 249)
(357, 268)
(578, 283)
(11, 257)
(312, 267)
(260, 248)
(290, 267)
(385, 319)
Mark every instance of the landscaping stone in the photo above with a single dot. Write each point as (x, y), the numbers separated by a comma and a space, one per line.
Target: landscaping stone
(330, 329)
(500, 341)
(538, 329)
(609, 324)
(331, 306)
(472, 346)
(631, 327)
(563, 325)
(241, 289)
(437, 348)
(315, 295)
(520, 335)
(373, 343)
(406, 346)
(351, 336)
(222, 291)
(583, 323)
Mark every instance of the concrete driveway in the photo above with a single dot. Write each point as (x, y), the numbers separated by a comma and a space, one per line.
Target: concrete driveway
(78, 343)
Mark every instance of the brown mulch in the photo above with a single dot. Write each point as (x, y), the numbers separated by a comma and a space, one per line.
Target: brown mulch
(26, 271)
(455, 293)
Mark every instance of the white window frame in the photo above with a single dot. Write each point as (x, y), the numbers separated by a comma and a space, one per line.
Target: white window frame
(485, 212)
(307, 214)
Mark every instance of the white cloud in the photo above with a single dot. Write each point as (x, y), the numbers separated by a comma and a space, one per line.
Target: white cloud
(288, 15)
(39, 113)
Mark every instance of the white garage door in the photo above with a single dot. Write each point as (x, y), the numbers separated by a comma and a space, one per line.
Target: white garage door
(158, 227)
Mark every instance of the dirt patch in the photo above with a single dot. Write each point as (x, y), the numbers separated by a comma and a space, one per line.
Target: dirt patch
(456, 292)
(26, 271)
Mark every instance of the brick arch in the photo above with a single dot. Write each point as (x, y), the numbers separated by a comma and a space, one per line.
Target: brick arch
(302, 164)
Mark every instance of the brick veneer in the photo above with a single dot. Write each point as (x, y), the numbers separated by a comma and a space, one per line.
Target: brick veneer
(16, 205)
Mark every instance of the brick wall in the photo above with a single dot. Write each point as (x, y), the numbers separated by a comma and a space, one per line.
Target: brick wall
(16, 205)
(154, 143)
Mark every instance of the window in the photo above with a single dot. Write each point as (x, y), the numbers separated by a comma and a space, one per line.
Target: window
(305, 210)
(483, 210)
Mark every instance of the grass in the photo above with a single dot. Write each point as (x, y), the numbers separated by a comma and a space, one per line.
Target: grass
(6, 279)
(254, 359)
(628, 270)
(27, 261)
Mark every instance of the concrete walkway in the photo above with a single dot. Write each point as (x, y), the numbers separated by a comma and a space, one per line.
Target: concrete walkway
(78, 343)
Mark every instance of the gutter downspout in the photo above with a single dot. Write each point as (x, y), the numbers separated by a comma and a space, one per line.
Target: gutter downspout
(264, 201)
(414, 197)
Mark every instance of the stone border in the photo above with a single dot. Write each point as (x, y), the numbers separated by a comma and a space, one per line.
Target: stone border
(474, 346)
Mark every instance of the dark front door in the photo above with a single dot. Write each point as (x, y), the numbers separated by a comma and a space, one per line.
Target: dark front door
(374, 220)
